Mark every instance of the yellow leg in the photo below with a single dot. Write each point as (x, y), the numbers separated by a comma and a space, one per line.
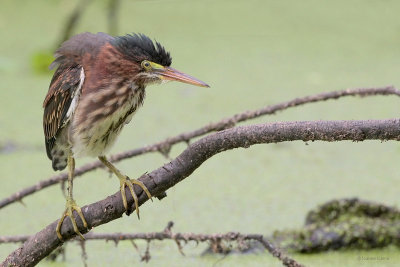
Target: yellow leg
(71, 204)
(125, 181)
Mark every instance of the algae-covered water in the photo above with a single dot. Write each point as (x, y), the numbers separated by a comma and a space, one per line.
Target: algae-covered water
(253, 54)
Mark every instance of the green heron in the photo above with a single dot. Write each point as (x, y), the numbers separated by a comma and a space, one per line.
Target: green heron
(98, 85)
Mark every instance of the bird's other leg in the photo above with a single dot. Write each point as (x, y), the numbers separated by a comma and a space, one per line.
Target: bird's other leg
(125, 181)
(71, 204)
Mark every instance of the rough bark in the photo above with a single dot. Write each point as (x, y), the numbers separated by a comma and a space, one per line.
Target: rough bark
(163, 178)
(165, 145)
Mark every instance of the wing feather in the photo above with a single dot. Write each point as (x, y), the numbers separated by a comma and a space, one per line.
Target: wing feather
(64, 86)
(67, 82)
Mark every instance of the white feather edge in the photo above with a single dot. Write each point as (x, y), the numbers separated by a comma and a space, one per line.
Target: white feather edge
(75, 97)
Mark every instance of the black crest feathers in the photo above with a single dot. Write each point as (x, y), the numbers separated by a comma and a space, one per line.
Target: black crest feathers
(138, 47)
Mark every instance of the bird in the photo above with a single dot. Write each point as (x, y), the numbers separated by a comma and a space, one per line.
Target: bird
(98, 85)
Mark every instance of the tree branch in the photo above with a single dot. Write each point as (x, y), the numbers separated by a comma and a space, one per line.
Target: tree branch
(113, 7)
(167, 234)
(165, 145)
(72, 21)
(163, 178)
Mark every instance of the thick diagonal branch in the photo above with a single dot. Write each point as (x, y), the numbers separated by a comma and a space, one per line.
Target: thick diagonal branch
(165, 177)
(226, 123)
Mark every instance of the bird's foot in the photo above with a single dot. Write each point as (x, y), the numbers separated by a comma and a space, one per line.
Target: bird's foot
(70, 207)
(125, 181)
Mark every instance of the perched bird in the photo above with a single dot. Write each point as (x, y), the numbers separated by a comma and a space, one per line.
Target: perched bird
(97, 87)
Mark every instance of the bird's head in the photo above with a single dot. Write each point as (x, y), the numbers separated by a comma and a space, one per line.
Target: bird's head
(152, 62)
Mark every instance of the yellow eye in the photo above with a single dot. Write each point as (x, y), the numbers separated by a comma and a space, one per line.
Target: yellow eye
(146, 65)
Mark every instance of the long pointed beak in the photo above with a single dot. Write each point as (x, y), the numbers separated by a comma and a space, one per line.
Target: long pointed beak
(168, 73)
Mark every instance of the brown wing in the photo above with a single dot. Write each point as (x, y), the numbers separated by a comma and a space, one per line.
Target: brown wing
(66, 81)
(63, 88)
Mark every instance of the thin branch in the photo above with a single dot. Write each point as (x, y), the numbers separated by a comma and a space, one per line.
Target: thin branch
(226, 123)
(72, 21)
(231, 236)
(169, 235)
(286, 260)
(113, 7)
(165, 177)
(14, 238)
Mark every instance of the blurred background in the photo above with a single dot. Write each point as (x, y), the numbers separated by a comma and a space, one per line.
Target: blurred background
(252, 53)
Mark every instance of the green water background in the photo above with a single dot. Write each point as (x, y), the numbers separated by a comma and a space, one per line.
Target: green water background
(253, 54)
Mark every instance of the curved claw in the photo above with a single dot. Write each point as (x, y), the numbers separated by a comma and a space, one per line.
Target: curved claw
(135, 199)
(70, 207)
(125, 181)
(144, 188)
(129, 183)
